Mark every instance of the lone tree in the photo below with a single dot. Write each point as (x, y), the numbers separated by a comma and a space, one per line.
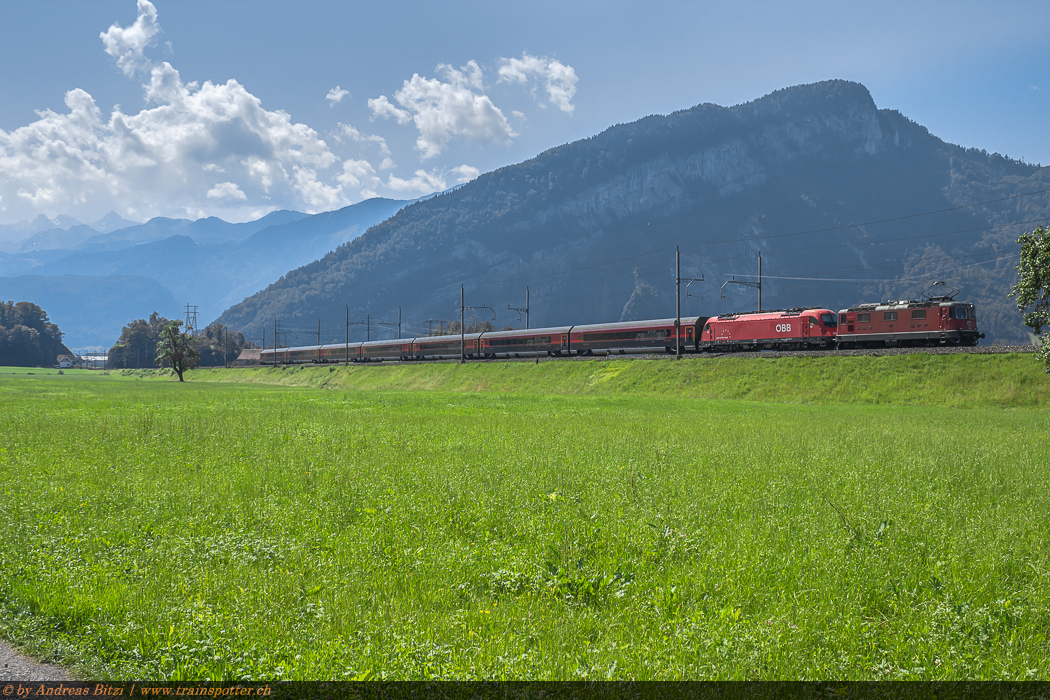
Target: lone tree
(1033, 289)
(177, 349)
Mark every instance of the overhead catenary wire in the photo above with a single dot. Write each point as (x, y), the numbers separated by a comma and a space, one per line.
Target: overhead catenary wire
(898, 279)
(530, 278)
(769, 237)
(879, 221)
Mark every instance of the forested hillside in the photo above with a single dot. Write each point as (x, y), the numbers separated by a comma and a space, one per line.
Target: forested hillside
(591, 227)
(27, 336)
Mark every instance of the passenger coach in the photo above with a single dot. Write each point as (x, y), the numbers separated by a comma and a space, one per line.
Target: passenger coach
(605, 338)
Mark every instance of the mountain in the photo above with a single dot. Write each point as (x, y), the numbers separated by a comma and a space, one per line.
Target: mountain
(270, 252)
(591, 227)
(92, 310)
(57, 238)
(208, 230)
(12, 235)
(209, 262)
(112, 222)
(61, 232)
(187, 270)
(113, 232)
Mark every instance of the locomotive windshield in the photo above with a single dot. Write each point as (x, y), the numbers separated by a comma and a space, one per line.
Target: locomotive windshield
(959, 312)
(829, 320)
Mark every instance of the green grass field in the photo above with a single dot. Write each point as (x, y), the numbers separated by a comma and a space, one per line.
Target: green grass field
(644, 522)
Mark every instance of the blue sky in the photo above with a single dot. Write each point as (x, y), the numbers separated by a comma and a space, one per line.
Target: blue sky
(232, 108)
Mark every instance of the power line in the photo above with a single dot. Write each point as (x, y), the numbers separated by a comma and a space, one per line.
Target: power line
(451, 286)
(905, 238)
(897, 263)
(900, 279)
(872, 223)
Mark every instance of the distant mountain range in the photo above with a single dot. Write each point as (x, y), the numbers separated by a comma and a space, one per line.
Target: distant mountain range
(60, 232)
(830, 189)
(163, 264)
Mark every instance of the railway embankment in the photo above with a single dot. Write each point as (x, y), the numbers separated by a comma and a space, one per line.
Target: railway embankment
(916, 378)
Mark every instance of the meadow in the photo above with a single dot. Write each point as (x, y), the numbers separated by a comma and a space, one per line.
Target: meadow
(641, 524)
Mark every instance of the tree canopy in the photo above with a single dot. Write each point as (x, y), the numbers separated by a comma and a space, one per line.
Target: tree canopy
(1032, 291)
(137, 346)
(218, 346)
(177, 349)
(27, 337)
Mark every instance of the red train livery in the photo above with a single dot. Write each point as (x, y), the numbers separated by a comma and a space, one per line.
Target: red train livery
(935, 321)
(792, 329)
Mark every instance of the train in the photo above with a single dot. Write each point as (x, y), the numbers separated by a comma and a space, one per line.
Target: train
(932, 321)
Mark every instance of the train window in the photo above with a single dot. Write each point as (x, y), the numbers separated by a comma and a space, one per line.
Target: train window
(707, 327)
(918, 313)
(842, 318)
(973, 313)
(959, 312)
(829, 320)
(812, 321)
(863, 318)
(889, 316)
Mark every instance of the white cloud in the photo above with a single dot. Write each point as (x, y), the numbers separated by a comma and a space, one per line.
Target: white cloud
(213, 149)
(318, 195)
(441, 110)
(559, 79)
(422, 183)
(128, 44)
(356, 135)
(358, 173)
(381, 107)
(163, 159)
(336, 95)
(226, 190)
(465, 173)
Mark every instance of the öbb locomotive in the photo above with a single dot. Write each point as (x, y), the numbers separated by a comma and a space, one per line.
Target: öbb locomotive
(931, 322)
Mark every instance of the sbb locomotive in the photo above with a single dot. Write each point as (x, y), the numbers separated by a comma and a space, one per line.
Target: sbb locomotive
(933, 321)
(909, 323)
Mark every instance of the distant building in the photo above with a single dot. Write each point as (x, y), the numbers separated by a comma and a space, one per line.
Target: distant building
(247, 358)
(66, 361)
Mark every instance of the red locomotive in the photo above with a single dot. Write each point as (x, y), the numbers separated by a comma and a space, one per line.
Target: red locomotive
(793, 329)
(935, 320)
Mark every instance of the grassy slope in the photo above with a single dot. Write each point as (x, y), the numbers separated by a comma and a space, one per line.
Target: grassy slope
(960, 381)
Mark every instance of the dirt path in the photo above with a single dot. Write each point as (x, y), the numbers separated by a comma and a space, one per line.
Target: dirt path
(15, 666)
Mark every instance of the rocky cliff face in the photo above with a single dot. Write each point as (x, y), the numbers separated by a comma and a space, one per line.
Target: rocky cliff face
(591, 227)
